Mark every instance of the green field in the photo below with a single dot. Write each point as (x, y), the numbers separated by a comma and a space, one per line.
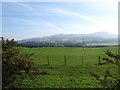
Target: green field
(71, 75)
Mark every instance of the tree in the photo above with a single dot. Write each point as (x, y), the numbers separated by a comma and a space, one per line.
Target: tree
(110, 80)
(16, 66)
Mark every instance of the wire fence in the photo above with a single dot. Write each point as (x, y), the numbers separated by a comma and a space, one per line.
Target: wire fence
(69, 60)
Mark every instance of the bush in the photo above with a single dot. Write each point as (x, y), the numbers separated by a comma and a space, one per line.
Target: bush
(15, 66)
(109, 80)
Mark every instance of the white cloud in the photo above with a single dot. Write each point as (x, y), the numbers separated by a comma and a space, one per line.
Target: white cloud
(103, 24)
(55, 27)
(26, 6)
(41, 24)
(63, 11)
(109, 25)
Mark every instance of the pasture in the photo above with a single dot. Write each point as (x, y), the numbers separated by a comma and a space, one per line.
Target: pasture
(72, 75)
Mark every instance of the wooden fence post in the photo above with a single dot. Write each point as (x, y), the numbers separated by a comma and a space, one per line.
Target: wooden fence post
(48, 60)
(99, 60)
(82, 60)
(65, 60)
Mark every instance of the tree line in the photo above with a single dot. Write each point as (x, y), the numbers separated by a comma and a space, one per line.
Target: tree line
(59, 44)
(51, 44)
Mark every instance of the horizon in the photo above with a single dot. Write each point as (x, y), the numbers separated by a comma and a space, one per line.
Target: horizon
(22, 20)
(65, 34)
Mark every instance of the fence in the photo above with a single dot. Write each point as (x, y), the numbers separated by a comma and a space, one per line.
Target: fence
(70, 60)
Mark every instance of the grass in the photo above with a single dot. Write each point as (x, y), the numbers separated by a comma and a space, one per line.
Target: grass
(73, 55)
(73, 75)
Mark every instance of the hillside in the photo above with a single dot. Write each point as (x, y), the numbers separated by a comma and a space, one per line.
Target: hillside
(72, 39)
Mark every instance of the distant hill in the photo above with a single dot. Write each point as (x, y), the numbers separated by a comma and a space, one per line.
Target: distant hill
(71, 40)
(104, 35)
(98, 36)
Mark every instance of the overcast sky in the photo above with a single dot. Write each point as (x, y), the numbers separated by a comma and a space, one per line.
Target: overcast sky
(35, 19)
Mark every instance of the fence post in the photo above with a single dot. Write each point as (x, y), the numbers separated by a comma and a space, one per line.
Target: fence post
(48, 60)
(82, 60)
(65, 60)
(99, 60)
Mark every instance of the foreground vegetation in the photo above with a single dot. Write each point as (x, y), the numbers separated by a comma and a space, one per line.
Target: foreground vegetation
(69, 77)
(73, 74)
(16, 67)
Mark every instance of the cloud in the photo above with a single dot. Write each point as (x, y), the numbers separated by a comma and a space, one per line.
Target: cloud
(26, 6)
(66, 12)
(102, 24)
(32, 28)
(109, 25)
(41, 24)
(32, 10)
(55, 27)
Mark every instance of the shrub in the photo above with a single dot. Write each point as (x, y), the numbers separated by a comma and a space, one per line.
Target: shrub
(109, 80)
(15, 66)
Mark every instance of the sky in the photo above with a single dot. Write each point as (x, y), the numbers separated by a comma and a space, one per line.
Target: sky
(21, 20)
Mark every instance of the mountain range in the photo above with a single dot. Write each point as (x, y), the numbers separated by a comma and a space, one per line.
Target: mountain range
(98, 36)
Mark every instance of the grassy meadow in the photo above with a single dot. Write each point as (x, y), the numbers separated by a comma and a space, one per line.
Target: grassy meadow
(71, 75)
